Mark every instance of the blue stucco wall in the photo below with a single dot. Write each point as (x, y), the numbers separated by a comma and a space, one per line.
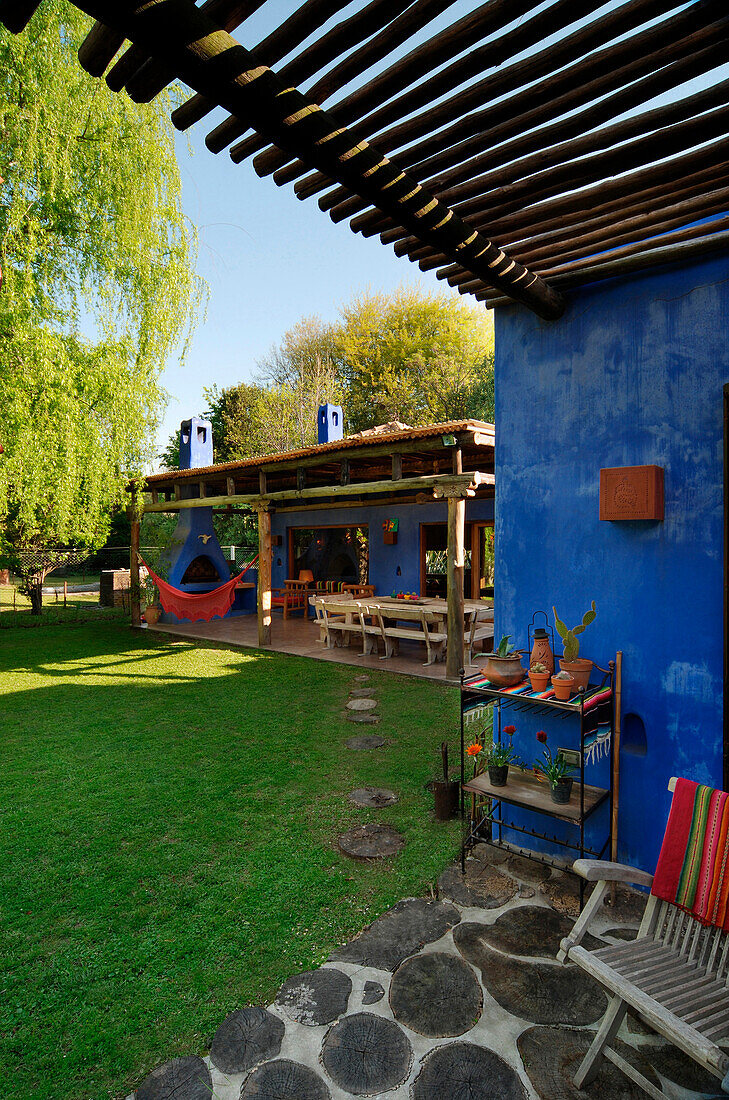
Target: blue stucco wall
(384, 560)
(631, 375)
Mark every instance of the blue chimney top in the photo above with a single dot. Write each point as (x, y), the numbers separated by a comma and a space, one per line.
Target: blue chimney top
(330, 423)
(196, 443)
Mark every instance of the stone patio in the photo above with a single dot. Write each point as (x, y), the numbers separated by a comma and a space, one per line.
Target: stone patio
(450, 998)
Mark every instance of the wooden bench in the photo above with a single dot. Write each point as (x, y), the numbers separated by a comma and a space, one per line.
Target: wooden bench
(434, 639)
(338, 618)
(675, 976)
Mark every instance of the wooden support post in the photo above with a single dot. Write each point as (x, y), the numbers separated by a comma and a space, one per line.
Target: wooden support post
(202, 492)
(178, 491)
(456, 557)
(155, 496)
(230, 483)
(264, 576)
(300, 478)
(396, 467)
(344, 472)
(262, 482)
(134, 592)
(457, 460)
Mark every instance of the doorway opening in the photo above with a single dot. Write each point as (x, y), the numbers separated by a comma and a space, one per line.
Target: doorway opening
(478, 572)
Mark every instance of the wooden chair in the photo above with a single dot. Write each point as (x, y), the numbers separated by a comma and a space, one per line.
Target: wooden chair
(292, 597)
(480, 629)
(359, 591)
(675, 976)
(336, 618)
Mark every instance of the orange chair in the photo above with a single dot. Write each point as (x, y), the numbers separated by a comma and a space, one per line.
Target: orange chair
(293, 596)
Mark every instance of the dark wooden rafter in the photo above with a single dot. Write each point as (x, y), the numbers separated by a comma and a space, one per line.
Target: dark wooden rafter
(479, 151)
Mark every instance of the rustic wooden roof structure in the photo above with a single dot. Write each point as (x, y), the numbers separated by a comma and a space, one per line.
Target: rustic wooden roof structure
(518, 151)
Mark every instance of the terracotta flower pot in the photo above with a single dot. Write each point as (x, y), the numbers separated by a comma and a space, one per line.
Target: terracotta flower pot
(539, 681)
(580, 668)
(563, 688)
(505, 671)
(561, 791)
(152, 614)
(498, 774)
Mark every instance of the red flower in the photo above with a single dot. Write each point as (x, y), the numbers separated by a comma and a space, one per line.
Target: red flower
(542, 736)
(474, 750)
(509, 730)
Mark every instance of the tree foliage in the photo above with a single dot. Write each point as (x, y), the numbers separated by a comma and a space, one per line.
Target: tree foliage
(98, 282)
(419, 358)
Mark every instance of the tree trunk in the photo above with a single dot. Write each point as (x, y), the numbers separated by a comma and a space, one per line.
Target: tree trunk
(35, 592)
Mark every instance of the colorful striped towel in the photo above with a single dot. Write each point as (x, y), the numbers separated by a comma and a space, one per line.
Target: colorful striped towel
(597, 714)
(692, 867)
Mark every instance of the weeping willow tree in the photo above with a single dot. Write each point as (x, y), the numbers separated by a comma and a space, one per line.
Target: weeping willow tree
(98, 284)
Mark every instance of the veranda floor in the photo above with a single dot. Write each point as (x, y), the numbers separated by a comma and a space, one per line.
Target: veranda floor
(301, 637)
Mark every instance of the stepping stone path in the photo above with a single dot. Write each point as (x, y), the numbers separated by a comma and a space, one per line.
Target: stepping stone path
(361, 693)
(435, 995)
(366, 1054)
(371, 842)
(245, 1038)
(182, 1077)
(361, 704)
(363, 719)
(474, 994)
(315, 997)
(463, 1071)
(372, 797)
(364, 743)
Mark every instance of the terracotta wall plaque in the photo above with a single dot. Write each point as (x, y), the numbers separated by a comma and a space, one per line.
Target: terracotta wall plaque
(631, 492)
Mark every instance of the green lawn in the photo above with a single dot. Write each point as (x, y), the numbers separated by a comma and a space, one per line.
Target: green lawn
(168, 822)
(80, 606)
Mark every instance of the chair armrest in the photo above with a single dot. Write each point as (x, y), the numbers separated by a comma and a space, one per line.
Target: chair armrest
(599, 870)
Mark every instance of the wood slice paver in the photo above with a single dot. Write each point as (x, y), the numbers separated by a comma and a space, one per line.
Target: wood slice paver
(315, 997)
(436, 995)
(532, 931)
(361, 693)
(372, 993)
(543, 993)
(372, 797)
(361, 704)
(463, 1071)
(245, 1038)
(363, 719)
(282, 1080)
(482, 886)
(551, 1057)
(366, 1054)
(371, 842)
(180, 1079)
(400, 932)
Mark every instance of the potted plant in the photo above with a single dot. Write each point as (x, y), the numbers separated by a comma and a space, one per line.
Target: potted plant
(498, 758)
(564, 684)
(580, 667)
(503, 666)
(556, 771)
(152, 610)
(539, 676)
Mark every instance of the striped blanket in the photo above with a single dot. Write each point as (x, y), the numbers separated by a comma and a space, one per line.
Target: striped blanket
(692, 867)
(598, 712)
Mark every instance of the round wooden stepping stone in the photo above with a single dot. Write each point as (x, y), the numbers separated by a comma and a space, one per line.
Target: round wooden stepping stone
(543, 993)
(374, 797)
(372, 993)
(436, 995)
(400, 932)
(366, 1054)
(532, 931)
(361, 704)
(362, 693)
(180, 1079)
(482, 886)
(672, 1063)
(463, 1071)
(625, 934)
(363, 719)
(283, 1080)
(365, 742)
(315, 997)
(245, 1038)
(362, 678)
(371, 842)
(552, 1055)
(529, 870)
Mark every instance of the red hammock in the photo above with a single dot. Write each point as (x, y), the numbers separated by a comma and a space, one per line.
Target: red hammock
(197, 606)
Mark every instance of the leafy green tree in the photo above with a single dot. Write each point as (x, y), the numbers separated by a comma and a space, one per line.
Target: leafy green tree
(99, 286)
(419, 358)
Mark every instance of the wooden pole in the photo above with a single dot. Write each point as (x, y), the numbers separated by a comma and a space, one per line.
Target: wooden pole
(455, 564)
(264, 576)
(617, 703)
(134, 593)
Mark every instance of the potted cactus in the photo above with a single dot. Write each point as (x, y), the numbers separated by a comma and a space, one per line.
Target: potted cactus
(503, 666)
(579, 667)
(563, 684)
(539, 676)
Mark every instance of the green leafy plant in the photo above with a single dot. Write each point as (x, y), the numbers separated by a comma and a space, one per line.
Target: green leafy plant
(553, 768)
(502, 753)
(504, 649)
(569, 637)
(148, 590)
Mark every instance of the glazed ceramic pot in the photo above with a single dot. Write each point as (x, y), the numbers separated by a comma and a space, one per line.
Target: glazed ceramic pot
(504, 672)
(539, 680)
(498, 774)
(580, 668)
(542, 650)
(563, 688)
(561, 791)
